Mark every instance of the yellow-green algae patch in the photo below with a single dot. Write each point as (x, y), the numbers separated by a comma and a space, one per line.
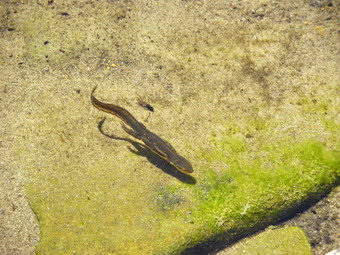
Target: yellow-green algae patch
(282, 241)
(106, 206)
(92, 195)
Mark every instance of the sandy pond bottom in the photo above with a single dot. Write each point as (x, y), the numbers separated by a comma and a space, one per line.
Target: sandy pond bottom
(248, 92)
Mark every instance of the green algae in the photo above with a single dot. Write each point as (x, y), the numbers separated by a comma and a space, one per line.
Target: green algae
(282, 241)
(259, 182)
(108, 206)
(251, 196)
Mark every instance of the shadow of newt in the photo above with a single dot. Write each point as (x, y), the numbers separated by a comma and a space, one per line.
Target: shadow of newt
(144, 151)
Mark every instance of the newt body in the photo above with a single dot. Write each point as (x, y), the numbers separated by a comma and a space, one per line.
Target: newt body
(156, 144)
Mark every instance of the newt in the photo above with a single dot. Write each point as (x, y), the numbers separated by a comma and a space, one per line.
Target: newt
(156, 144)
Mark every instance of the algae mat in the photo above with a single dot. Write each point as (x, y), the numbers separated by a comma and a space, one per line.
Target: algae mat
(104, 199)
(282, 241)
(252, 106)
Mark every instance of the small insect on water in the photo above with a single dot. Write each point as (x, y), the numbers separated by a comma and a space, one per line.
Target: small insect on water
(145, 105)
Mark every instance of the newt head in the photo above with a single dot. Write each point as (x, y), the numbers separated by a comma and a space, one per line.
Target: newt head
(181, 164)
